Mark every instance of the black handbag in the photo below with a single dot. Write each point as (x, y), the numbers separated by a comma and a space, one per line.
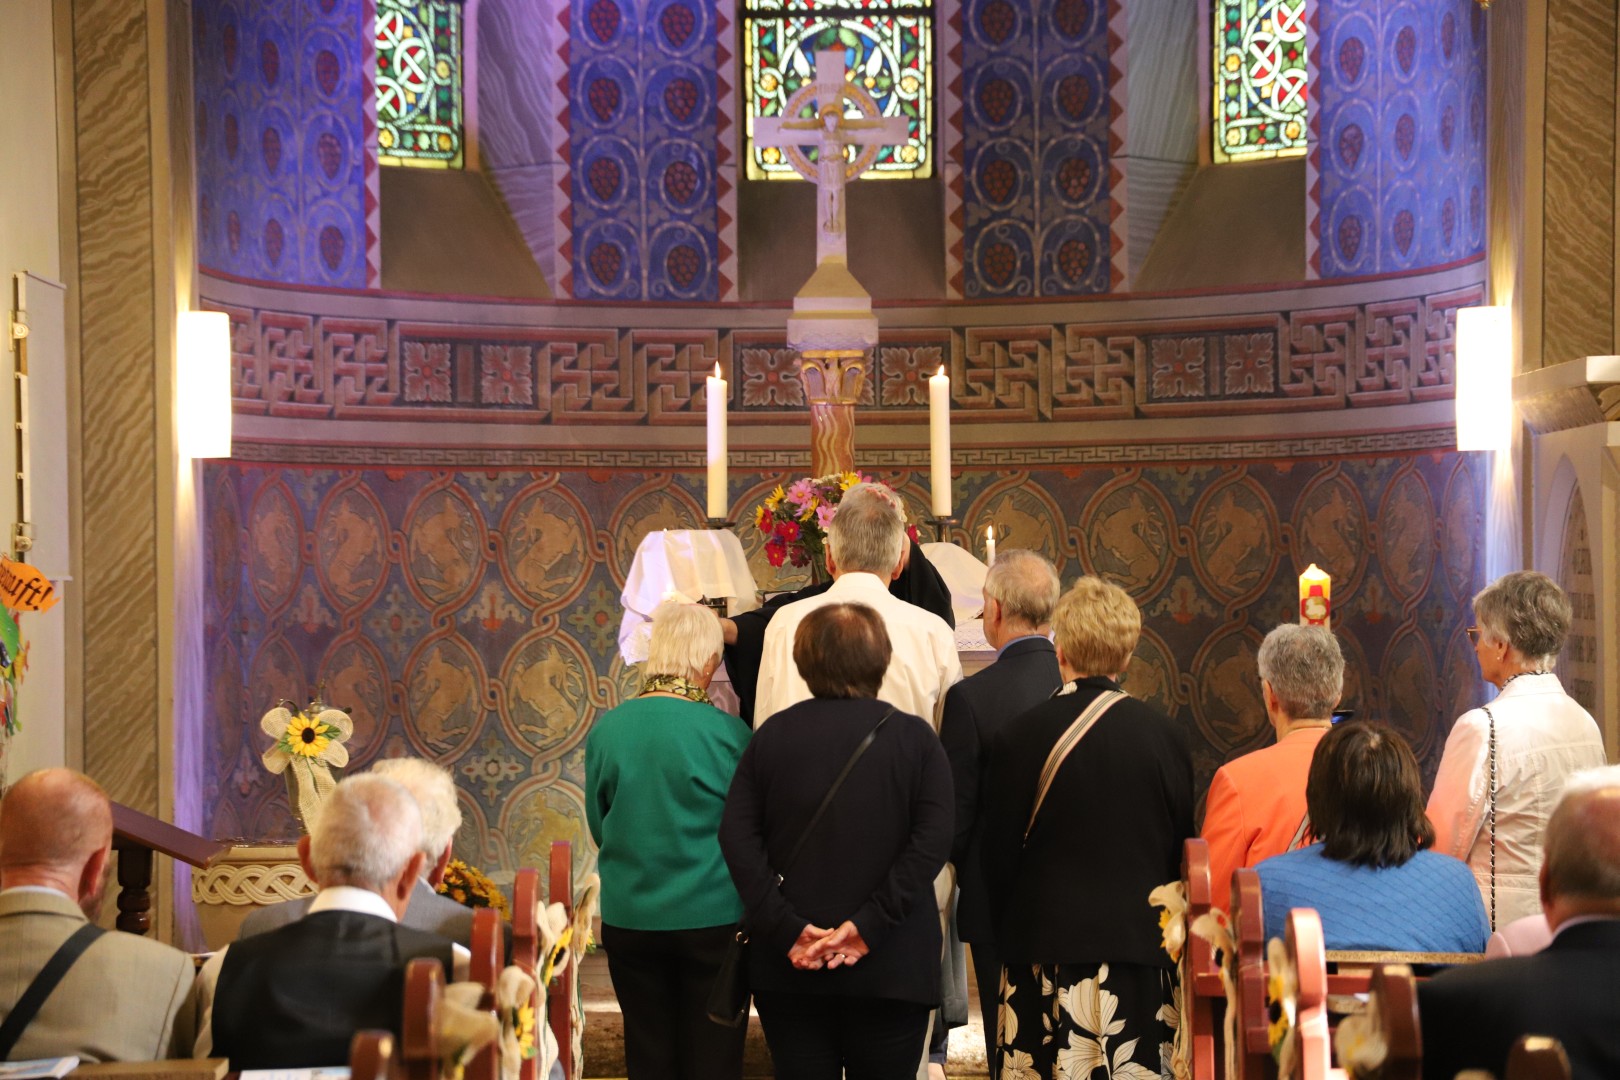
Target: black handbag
(729, 996)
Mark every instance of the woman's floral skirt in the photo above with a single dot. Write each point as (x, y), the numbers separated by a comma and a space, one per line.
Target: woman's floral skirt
(1067, 1021)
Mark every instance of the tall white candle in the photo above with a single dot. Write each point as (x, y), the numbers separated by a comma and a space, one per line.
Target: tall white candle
(990, 545)
(939, 441)
(719, 503)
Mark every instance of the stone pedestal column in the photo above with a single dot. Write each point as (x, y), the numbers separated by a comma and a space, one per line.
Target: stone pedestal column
(832, 385)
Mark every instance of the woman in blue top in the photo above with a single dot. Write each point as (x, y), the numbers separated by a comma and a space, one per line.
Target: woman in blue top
(657, 769)
(1370, 876)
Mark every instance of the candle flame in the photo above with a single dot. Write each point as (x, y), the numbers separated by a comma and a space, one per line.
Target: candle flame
(989, 532)
(941, 370)
(717, 369)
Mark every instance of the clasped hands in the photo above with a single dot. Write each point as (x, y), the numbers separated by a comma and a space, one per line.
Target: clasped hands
(818, 948)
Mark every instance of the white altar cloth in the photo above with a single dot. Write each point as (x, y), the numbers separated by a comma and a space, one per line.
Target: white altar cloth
(688, 564)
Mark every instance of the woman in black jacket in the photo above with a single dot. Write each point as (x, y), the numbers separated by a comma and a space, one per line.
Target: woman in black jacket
(1086, 981)
(845, 942)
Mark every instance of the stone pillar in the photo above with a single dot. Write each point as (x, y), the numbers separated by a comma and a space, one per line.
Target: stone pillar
(832, 385)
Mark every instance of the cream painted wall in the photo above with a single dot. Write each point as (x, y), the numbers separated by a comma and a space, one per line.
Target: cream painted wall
(31, 241)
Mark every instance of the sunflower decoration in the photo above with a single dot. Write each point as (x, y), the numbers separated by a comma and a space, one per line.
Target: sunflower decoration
(1282, 1007)
(515, 1004)
(471, 887)
(1359, 1042)
(310, 741)
(1171, 900)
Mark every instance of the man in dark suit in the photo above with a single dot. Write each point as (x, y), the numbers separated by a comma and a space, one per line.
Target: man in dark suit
(1473, 1015)
(293, 997)
(1020, 592)
(434, 790)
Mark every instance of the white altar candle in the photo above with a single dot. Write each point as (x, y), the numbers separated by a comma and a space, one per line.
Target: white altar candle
(719, 503)
(990, 545)
(939, 441)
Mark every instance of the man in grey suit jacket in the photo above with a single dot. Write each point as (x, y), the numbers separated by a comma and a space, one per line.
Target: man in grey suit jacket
(125, 998)
(435, 792)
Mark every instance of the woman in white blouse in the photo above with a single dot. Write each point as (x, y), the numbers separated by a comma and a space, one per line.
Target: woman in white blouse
(1521, 747)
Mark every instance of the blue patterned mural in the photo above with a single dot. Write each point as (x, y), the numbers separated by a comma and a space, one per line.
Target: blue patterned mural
(1399, 124)
(283, 140)
(644, 141)
(1036, 112)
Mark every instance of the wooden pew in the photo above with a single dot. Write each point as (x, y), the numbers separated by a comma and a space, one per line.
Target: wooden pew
(1253, 1052)
(560, 996)
(484, 968)
(371, 1055)
(1537, 1057)
(1395, 993)
(1203, 996)
(419, 1038)
(526, 944)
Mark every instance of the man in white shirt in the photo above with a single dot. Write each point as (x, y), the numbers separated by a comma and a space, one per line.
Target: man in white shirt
(435, 792)
(293, 997)
(865, 551)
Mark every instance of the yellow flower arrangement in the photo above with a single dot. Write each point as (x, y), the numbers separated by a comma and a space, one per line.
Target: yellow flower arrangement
(311, 740)
(469, 886)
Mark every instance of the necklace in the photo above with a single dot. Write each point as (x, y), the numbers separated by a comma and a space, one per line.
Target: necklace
(674, 684)
(1520, 675)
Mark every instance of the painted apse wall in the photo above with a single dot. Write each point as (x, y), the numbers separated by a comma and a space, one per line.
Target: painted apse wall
(433, 504)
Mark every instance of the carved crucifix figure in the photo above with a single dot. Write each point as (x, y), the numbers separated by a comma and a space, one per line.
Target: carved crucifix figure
(829, 131)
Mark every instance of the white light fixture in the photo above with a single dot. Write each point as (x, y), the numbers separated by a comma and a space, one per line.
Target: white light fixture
(203, 401)
(1484, 371)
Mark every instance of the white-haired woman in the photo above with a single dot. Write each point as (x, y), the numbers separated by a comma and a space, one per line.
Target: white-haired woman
(1505, 763)
(657, 769)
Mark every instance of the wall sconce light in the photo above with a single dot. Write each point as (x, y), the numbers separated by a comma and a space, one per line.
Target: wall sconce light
(203, 412)
(1484, 372)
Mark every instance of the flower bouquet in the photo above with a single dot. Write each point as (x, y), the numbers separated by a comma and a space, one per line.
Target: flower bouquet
(471, 887)
(794, 519)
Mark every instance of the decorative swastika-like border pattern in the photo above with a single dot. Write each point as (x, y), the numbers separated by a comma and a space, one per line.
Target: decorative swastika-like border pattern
(1329, 356)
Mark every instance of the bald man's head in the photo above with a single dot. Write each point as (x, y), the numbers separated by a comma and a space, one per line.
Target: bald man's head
(1581, 860)
(55, 830)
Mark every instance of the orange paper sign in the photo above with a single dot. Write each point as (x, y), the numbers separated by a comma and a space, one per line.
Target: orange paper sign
(23, 588)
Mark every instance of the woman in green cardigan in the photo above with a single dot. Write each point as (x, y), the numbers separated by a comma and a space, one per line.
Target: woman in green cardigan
(657, 769)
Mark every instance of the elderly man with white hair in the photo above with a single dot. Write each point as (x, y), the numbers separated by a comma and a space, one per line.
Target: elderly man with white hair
(865, 551)
(1570, 991)
(293, 997)
(434, 790)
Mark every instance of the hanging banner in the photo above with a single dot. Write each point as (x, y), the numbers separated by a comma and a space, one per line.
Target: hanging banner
(23, 588)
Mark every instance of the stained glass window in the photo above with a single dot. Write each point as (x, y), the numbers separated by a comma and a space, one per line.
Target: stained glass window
(419, 82)
(1260, 86)
(889, 52)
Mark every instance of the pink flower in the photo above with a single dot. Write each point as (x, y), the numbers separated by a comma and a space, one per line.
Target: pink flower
(801, 493)
(824, 516)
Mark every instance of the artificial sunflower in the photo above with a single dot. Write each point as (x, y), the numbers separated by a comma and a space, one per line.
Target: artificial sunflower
(312, 739)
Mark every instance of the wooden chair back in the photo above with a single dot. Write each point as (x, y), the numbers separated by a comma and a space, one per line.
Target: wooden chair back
(1303, 942)
(371, 1055)
(1203, 997)
(419, 1038)
(526, 941)
(1253, 1052)
(483, 969)
(559, 997)
(1395, 990)
(1537, 1057)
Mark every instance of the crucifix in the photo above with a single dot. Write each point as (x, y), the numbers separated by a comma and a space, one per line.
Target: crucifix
(829, 131)
(832, 325)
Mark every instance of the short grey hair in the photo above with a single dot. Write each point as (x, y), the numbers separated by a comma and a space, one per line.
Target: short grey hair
(367, 833)
(1305, 668)
(1582, 848)
(434, 790)
(868, 531)
(1527, 610)
(685, 637)
(1025, 584)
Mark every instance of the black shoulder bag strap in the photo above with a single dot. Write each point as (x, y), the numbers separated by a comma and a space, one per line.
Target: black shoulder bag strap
(827, 799)
(28, 1006)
